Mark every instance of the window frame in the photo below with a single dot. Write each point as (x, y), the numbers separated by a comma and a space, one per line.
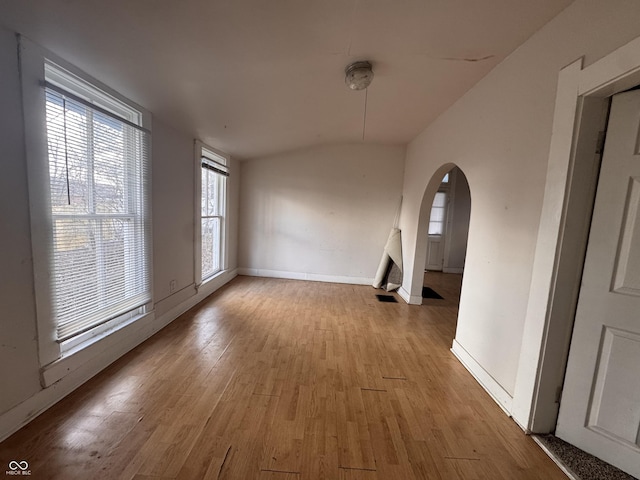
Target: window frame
(134, 199)
(200, 149)
(55, 357)
(444, 188)
(443, 207)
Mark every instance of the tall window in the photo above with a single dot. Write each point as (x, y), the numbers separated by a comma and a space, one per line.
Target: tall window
(436, 221)
(439, 208)
(214, 172)
(98, 174)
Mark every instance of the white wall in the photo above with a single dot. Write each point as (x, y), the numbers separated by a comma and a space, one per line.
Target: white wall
(499, 135)
(173, 204)
(233, 214)
(18, 348)
(173, 191)
(173, 219)
(322, 213)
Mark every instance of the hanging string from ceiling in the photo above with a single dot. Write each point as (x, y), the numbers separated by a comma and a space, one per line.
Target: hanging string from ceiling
(358, 76)
(364, 117)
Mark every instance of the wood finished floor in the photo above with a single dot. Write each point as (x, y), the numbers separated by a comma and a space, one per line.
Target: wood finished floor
(448, 286)
(285, 380)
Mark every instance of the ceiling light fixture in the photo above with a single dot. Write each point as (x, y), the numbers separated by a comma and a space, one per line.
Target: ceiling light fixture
(358, 75)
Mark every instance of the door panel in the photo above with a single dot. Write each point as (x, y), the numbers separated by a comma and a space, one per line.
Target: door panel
(435, 253)
(600, 406)
(627, 279)
(616, 387)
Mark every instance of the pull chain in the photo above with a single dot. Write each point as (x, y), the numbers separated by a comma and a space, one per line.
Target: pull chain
(364, 118)
(66, 150)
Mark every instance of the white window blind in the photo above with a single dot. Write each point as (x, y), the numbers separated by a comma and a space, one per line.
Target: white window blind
(436, 221)
(99, 213)
(213, 176)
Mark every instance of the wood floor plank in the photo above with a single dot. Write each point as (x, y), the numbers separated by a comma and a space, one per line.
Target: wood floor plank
(206, 460)
(281, 380)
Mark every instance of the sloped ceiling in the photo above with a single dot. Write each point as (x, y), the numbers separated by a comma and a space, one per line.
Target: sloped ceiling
(256, 77)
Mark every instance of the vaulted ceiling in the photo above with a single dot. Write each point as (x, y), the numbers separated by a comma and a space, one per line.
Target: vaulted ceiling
(256, 77)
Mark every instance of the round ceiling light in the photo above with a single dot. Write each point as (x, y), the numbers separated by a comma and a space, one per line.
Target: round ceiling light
(358, 75)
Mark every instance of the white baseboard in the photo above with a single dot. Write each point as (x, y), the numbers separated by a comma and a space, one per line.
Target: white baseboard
(121, 342)
(202, 292)
(133, 331)
(493, 388)
(314, 277)
(410, 299)
(210, 286)
(404, 295)
(452, 270)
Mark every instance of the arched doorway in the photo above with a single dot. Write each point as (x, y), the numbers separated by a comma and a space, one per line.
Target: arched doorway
(454, 229)
(447, 235)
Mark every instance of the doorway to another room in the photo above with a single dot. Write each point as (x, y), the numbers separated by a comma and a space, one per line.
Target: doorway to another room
(447, 241)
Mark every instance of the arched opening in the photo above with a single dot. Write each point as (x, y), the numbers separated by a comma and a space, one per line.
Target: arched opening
(447, 235)
(442, 238)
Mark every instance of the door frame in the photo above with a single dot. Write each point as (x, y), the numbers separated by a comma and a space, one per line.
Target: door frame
(444, 236)
(454, 175)
(582, 99)
(448, 225)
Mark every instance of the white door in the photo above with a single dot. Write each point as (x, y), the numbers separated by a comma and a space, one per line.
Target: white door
(435, 253)
(435, 241)
(600, 406)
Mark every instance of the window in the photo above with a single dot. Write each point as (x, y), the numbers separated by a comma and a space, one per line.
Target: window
(213, 172)
(438, 208)
(436, 221)
(98, 156)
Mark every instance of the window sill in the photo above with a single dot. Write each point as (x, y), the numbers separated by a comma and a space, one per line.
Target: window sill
(211, 278)
(214, 282)
(102, 344)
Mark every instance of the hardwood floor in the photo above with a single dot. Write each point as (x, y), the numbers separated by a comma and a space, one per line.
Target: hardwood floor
(448, 286)
(280, 379)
